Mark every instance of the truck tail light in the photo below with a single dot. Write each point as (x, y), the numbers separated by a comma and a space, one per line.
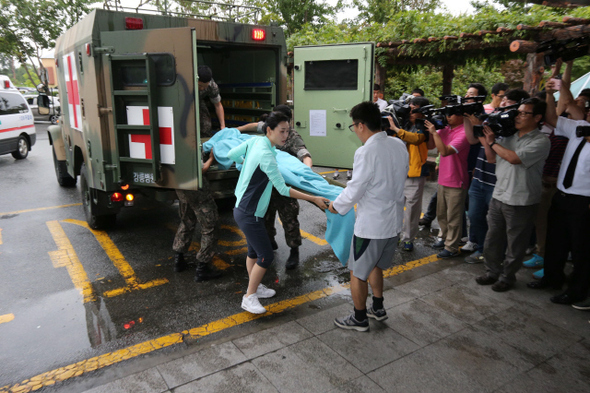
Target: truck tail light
(6, 84)
(87, 49)
(117, 197)
(133, 23)
(129, 197)
(124, 187)
(258, 34)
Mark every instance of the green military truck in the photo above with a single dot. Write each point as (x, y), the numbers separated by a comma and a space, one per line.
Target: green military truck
(130, 109)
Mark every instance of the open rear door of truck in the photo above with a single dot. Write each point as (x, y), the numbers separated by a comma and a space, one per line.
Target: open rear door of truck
(150, 79)
(328, 81)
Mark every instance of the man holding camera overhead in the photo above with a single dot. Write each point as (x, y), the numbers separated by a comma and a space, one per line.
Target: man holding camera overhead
(513, 208)
(569, 214)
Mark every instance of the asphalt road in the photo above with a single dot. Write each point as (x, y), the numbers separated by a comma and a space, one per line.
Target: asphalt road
(69, 293)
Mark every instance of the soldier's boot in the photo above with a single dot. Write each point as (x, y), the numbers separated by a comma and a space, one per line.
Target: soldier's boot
(293, 260)
(274, 244)
(206, 271)
(179, 262)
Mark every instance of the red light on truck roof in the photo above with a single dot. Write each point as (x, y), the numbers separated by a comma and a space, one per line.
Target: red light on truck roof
(117, 197)
(133, 23)
(258, 34)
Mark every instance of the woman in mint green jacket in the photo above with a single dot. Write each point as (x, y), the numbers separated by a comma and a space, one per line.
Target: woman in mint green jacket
(259, 174)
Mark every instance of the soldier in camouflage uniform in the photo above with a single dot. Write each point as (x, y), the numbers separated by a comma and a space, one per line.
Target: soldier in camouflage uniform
(208, 90)
(197, 207)
(288, 208)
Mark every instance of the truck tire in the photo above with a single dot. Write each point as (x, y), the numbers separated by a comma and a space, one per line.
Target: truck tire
(63, 177)
(94, 220)
(23, 148)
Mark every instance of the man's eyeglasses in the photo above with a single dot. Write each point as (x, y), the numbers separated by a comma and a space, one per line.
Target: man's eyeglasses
(523, 113)
(350, 127)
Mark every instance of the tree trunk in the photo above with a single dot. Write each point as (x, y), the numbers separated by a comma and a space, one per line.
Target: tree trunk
(380, 75)
(533, 72)
(448, 75)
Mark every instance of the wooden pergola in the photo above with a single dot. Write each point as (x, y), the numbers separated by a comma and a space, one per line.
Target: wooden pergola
(509, 45)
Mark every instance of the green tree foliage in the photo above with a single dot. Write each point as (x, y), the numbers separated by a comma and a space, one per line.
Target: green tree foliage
(382, 11)
(27, 27)
(429, 79)
(291, 14)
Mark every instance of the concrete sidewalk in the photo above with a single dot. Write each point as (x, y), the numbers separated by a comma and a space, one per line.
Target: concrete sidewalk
(445, 333)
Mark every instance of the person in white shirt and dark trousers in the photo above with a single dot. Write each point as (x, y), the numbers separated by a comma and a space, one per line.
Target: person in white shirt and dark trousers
(569, 214)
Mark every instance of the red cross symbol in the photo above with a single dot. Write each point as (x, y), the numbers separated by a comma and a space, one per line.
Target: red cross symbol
(72, 90)
(165, 135)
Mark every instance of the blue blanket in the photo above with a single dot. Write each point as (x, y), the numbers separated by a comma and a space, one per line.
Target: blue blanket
(339, 229)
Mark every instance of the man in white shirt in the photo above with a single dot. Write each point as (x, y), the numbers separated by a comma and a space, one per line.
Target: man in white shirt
(569, 214)
(377, 188)
(378, 97)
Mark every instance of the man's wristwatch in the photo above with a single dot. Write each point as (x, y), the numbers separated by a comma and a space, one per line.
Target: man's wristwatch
(492, 144)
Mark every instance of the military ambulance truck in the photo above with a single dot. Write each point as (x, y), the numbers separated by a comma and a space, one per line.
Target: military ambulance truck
(130, 101)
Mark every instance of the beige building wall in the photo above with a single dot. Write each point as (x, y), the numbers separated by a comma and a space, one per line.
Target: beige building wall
(49, 64)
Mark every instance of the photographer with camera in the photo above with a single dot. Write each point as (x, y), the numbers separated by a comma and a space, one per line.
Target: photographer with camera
(453, 147)
(414, 139)
(484, 177)
(569, 214)
(519, 165)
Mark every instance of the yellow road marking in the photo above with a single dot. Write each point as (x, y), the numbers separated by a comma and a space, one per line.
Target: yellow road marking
(309, 236)
(39, 209)
(6, 318)
(86, 366)
(236, 230)
(326, 173)
(0, 235)
(65, 256)
(312, 238)
(119, 261)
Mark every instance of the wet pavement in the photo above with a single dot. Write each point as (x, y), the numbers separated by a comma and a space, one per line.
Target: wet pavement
(445, 333)
(139, 326)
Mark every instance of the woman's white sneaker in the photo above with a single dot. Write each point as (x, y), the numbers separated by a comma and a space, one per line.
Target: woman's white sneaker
(251, 304)
(262, 292)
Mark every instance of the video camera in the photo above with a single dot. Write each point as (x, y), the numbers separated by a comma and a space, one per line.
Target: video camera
(567, 50)
(434, 115)
(399, 111)
(500, 122)
(458, 105)
(582, 131)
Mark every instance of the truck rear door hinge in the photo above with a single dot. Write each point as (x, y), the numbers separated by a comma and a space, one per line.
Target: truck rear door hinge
(110, 167)
(102, 110)
(103, 49)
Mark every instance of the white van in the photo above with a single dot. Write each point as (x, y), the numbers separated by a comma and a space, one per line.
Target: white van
(17, 127)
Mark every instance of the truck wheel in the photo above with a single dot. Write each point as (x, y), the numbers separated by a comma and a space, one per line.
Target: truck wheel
(94, 220)
(53, 119)
(23, 148)
(63, 177)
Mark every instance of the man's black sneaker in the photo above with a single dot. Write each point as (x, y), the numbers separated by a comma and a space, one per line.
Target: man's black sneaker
(179, 263)
(350, 323)
(379, 315)
(206, 272)
(293, 260)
